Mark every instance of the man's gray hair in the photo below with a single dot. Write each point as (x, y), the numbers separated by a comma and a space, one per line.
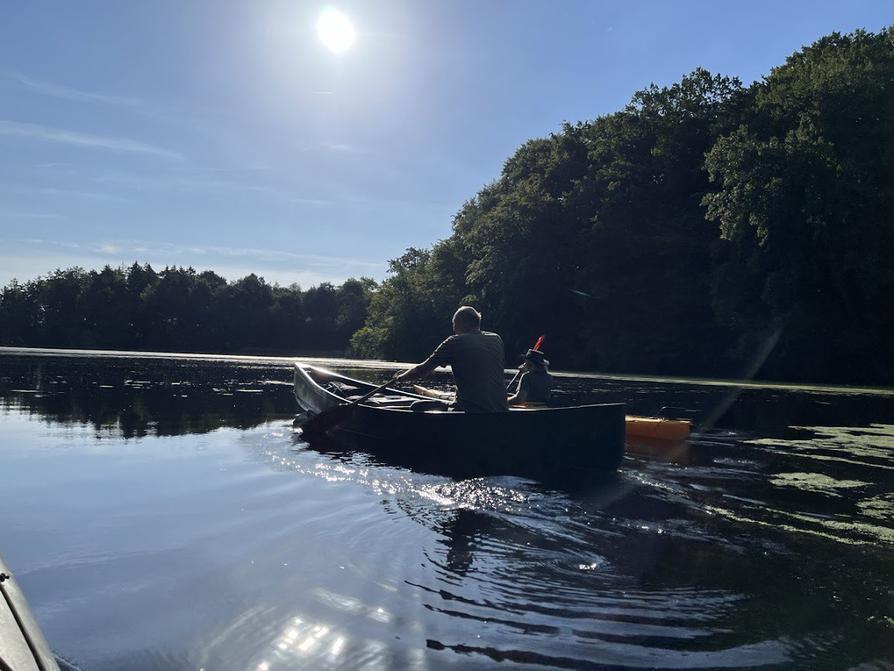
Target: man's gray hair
(468, 316)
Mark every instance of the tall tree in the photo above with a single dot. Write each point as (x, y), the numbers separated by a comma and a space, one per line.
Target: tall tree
(806, 210)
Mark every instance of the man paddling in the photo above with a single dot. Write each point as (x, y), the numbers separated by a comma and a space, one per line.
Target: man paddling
(476, 358)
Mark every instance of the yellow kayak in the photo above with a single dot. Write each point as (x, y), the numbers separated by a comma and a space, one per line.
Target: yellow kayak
(658, 428)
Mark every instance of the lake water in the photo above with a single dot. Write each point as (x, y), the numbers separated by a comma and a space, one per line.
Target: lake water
(161, 514)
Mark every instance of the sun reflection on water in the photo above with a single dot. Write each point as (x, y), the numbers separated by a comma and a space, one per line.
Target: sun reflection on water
(301, 640)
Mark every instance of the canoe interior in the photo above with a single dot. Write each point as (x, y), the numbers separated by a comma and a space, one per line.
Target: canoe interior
(522, 441)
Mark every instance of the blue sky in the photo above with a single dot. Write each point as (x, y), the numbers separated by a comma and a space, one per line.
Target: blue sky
(222, 134)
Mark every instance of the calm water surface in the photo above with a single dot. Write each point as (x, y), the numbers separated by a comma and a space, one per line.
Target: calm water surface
(162, 514)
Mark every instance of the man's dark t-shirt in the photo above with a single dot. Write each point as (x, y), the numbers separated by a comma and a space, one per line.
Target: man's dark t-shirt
(477, 361)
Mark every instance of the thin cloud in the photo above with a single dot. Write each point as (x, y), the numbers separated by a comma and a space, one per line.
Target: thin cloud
(25, 258)
(346, 148)
(99, 142)
(29, 215)
(197, 121)
(252, 188)
(52, 243)
(28, 258)
(171, 251)
(68, 93)
(234, 170)
(73, 193)
(268, 255)
(203, 184)
(278, 255)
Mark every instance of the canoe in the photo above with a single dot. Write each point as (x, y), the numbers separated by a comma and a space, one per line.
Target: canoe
(22, 645)
(656, 428)
(530, 442)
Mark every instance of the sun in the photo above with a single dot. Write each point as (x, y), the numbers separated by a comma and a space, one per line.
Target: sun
(335, 31)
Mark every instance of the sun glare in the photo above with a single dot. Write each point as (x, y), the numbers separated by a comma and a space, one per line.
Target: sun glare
(336, 31)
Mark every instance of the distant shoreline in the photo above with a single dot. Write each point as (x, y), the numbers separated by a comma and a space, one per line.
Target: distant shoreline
(375, 364)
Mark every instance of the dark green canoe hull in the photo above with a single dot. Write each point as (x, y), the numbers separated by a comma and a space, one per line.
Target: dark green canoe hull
(527, 442)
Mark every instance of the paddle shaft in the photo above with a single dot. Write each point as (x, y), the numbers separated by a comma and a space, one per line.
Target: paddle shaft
(512, 381)
(536, 348)
(374, 391)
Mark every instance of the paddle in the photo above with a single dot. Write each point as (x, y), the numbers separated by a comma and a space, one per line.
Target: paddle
(321, 423)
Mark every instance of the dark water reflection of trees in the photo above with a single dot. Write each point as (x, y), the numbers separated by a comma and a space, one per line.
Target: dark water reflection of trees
(136, 398)
(163, 397)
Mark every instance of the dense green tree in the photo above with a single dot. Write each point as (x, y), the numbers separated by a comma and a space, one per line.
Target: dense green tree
(20, 314)
(353, 298)
(287, 317)
(170, 305)
(706, 228)
(62, 317)
(246, 304)
(179, 309)
(806, 211)
(521, 237)
(647, 244)
(106, 309)
(594, 236)
(320, 315)
(410, 313)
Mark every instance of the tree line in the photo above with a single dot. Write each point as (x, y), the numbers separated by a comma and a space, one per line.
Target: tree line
(180, 310)
(707, 228)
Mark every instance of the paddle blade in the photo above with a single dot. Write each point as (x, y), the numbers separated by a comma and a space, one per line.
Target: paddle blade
(537, 344)
(318, 425)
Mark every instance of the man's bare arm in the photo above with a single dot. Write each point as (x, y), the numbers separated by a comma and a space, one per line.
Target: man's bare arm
(420, 371)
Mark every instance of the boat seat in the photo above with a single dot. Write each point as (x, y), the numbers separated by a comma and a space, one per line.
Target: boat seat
(392, 399)
(349, 392)
(341, 387)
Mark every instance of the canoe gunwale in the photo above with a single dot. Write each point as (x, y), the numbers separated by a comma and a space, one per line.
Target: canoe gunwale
(305, 377)
(308, 373)
(22, 644)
